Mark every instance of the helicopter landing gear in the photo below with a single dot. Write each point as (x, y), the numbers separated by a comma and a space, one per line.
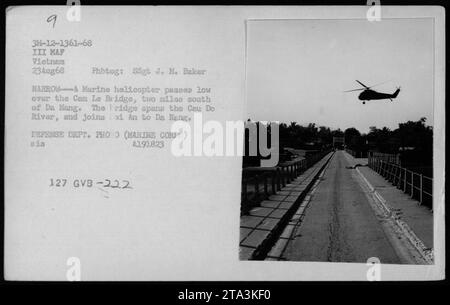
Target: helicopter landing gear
(364, 103)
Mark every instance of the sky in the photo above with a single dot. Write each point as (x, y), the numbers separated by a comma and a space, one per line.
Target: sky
(297, 71)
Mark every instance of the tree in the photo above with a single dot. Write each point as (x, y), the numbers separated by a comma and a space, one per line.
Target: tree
(352, 138)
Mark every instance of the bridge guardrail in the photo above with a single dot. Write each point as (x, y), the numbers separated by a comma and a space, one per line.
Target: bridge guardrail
(416, 185)
(266, 181)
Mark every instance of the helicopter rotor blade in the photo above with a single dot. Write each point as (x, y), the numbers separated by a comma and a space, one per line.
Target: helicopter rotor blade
(379, 84)
(360, 89)
(362, 84)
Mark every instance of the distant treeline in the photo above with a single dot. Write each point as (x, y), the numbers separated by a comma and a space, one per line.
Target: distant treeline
(412, 140)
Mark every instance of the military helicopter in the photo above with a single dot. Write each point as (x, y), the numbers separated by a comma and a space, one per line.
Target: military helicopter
(369, 94)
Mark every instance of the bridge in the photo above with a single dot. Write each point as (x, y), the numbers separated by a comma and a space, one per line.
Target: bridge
(338, 208)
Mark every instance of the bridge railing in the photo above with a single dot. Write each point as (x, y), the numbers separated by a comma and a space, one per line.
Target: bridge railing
(258, 183)
(418, 186)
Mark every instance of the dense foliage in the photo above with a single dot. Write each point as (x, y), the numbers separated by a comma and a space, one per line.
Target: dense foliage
(412, 135)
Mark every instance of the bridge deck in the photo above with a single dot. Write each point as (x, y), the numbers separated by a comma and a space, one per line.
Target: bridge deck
(341, 224)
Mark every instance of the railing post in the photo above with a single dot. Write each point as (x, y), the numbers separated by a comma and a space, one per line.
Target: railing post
(392, 173)
(274, 177)
(412, 185)
(266, 191)
(256, 187)
(404, 182)
(397, 176)
(421, 189)
(388, 171)
(279, 179)
(245, 190)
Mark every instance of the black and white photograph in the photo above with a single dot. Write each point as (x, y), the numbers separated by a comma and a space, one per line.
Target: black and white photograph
(354, 103)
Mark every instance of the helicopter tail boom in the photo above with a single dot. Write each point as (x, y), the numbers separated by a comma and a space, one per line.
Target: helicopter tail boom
(394, 95)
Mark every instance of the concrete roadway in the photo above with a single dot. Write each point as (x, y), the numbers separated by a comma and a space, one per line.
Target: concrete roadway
(340, 224)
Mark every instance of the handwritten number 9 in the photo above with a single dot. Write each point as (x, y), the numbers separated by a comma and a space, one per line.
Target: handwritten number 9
(52, 18)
